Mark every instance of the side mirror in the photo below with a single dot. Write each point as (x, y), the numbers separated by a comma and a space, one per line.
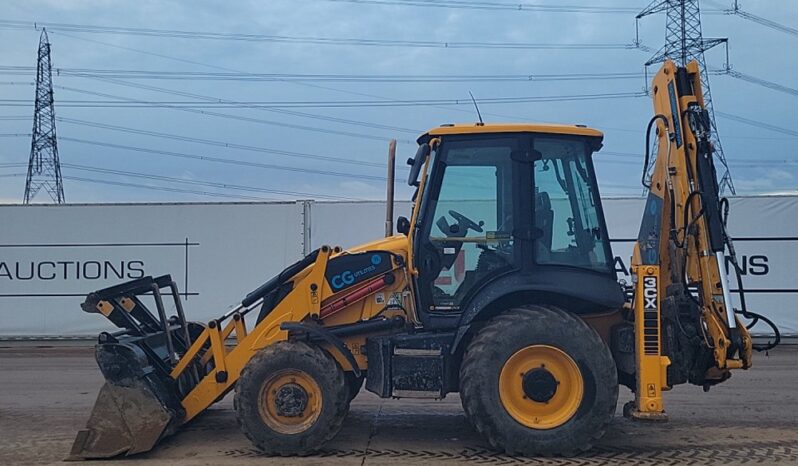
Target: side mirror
(403, 225)
(416, 163)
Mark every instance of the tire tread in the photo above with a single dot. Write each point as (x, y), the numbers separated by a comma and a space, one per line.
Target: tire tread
(472, 363)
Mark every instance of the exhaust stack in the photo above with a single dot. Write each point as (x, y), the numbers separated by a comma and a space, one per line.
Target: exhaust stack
(390, 184)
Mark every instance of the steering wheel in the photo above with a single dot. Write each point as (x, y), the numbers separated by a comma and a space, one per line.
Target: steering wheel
(466, 222)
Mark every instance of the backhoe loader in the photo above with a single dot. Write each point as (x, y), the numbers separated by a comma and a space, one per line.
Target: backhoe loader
(500, 286)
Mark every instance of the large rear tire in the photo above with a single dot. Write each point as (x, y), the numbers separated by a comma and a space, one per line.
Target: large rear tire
(291, 399)
(537, 380)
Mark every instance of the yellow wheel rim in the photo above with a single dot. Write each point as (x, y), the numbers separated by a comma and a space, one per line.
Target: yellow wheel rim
(290, 401)
(541, 387)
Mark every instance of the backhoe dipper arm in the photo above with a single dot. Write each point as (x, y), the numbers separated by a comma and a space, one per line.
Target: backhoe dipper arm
(685, 326)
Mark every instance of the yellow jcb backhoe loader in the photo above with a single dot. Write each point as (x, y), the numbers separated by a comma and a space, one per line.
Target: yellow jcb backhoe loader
(500, 286)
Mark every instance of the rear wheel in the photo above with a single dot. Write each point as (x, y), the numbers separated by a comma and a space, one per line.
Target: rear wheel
(291, 398)
(537, 380)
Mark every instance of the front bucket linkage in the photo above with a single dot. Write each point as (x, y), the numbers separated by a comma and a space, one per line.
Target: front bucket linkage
(139, 403)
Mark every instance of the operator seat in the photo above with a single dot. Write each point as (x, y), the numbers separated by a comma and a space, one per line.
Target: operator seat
(544, 220)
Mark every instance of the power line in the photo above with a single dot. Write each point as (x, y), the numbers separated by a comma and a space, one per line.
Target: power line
(507, 6)
(760, 82)
(330, 104)
(216, 143)
(757, 124)
(733, 162)
(193, 62)
(208, 98)
(736, 10)
(163, 188)
(315, 40)
(197, 182)
(227, 161)
(319, 77)
(291, 112)
(122, 99)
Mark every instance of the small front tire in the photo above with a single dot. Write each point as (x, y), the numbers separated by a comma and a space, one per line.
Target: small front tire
(291, 398)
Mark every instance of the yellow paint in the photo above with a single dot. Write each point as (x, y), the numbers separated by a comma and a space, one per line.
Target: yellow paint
(127, 304)
(267, 406)
(297, 306)
(474, 128)
(541, 415)
(651, 365)
(671, 168)
(105, 308)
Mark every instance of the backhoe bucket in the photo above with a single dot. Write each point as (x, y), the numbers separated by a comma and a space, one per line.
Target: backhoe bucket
(134, 409)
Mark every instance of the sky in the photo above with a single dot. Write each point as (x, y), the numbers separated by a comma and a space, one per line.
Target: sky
(229, 153)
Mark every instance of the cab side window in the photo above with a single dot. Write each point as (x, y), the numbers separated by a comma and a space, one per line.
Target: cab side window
(565, 209)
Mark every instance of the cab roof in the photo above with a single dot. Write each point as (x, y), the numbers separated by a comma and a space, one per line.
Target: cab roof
(479, 128)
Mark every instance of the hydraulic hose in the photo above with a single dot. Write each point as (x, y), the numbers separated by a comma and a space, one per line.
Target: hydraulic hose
(743, 311)
(648, 145)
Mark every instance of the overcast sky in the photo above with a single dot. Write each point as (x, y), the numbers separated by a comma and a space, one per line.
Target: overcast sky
(762, 160)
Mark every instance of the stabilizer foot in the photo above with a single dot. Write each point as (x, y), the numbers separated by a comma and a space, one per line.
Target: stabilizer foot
(630, 411)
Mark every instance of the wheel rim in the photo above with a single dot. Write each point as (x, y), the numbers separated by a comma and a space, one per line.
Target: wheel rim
(290, 401)
(541, 387)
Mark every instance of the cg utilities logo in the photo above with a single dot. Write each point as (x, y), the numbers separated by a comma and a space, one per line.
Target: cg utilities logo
(348, 277)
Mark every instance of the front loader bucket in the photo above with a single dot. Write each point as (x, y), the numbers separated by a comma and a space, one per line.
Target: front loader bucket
(125, 420)
(140, 402)
(134, 409)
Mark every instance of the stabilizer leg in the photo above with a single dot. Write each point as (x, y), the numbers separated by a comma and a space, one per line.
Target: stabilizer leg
(651, 365)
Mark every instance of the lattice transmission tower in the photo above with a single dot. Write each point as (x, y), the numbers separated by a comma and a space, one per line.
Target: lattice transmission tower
(44, 168)
(684, 42)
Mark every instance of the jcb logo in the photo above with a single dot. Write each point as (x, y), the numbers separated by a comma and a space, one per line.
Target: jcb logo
(650, 293)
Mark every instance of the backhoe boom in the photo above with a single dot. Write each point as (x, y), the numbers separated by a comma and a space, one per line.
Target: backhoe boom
(686, 327)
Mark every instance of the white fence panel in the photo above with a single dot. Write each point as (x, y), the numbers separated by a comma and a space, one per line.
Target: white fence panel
(51, 256)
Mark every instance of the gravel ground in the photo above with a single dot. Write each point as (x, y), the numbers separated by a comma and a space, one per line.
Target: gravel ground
(47, 394)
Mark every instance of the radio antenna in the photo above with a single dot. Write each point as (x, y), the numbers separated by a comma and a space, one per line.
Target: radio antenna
(481, 123)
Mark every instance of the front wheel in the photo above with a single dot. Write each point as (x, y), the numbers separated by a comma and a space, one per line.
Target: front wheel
(537, 380)
(291, 398)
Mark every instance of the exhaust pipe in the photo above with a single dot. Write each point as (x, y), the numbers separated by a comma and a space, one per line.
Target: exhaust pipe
(391, 177)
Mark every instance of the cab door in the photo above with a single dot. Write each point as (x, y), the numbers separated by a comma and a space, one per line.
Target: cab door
(467, 235)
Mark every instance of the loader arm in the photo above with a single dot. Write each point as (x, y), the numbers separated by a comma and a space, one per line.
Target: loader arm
(685, 326)
(162, 372)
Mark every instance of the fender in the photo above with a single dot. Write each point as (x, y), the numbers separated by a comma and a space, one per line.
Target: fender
(581, 291)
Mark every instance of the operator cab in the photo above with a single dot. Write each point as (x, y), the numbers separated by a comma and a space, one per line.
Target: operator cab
(509, 201)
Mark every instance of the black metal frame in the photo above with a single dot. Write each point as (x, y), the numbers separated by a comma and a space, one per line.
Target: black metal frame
(597, 287)
(161, 338)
